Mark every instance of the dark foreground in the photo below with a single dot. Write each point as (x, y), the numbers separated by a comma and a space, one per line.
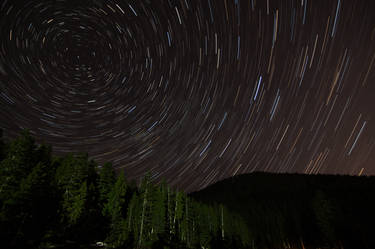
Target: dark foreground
(71, 202)
(320, 211)
(46, 201)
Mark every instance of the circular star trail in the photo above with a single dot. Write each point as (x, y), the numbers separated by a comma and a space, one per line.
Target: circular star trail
(194, 91)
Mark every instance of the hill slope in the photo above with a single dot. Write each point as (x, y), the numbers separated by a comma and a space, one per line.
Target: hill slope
(314, 210)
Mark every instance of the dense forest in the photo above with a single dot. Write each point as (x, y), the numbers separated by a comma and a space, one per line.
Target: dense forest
(300, 211)
(71, 202)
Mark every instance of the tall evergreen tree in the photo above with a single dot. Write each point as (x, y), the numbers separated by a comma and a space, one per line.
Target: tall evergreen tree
(76, 177)
(115, 210)
(132, 218)
(38, 202)
(106, 181)
(16, 165)
(69, 178)
(159, 210)
(78, 201)
(21, 157)
(26, 194)
(185, 224)
(104, 184)
(146, 194)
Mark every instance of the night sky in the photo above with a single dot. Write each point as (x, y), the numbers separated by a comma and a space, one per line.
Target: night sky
(194, 91)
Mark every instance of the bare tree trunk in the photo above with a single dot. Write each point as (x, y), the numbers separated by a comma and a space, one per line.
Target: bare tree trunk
(175, 212)
(187, 221)
(143, 217)
(169, 212)
(222, 222)
(130, 217)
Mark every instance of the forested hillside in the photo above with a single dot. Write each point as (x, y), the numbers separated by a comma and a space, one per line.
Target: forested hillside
(50, 201)
(72, 202)
(302, 211)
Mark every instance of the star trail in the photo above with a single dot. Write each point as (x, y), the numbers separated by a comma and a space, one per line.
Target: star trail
(194, 91)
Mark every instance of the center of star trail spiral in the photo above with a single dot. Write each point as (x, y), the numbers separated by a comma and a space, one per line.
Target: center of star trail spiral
(194, 91)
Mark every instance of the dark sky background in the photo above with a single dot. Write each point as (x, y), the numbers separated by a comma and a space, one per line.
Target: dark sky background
(194, 91)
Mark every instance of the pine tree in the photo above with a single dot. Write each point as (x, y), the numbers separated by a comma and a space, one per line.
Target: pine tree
(69, 180)
(186, 222)
(106, 181)
(159, 210)
(20, 159)
(178, 212)
(26, 195)
(131, 213)
(146, 193)
(115, 210)
(15, 167)
(132, 219)
(43, 154)
(204, 225)
(77, 208)
(222, 221)
(76, 177)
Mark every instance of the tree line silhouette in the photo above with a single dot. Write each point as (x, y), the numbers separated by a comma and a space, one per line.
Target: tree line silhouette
(48, 200)
(72, 202)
